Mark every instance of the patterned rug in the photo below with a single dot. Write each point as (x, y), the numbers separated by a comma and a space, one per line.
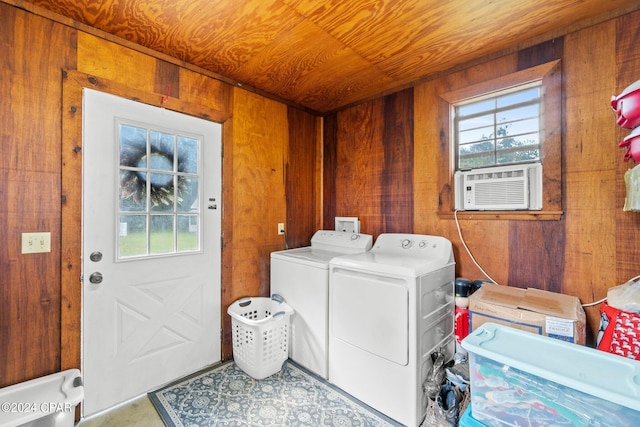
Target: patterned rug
(226, 396)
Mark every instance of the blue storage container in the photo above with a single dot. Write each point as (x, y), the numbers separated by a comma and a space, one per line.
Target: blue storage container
(467, 420)
(520, 378)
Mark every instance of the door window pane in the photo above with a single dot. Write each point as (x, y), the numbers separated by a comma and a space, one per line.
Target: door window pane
(161, 150)
(132, 236)
(133, 192)
(159, 187)
(188, 200)
(188, 233)
(162, 192)
(133, 146)
(187, 155)
(161, 234)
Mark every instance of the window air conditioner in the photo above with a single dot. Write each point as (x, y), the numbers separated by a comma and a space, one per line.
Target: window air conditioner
(513, 187)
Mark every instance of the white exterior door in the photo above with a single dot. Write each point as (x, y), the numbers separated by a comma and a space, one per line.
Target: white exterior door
(151, 247)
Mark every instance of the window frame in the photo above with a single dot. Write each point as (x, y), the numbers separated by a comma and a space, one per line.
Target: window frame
(551, 141)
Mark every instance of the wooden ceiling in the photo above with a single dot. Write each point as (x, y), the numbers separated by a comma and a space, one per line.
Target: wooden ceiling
(324, 55)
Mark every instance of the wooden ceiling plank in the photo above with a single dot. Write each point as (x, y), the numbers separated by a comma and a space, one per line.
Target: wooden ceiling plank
(311, 69)
(327, 54)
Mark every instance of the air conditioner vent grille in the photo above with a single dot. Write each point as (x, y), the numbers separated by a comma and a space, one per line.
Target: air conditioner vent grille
(501, 193)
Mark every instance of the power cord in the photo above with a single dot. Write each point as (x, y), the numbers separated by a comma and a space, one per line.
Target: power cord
(605, 298)
(595, 302)
(455, 215)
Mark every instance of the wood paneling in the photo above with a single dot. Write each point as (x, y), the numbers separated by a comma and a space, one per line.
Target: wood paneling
(360, 164)
(116, 63)
(71, 225)
(167, 80)
(302, 178)
(542, 268)
(30, 137)
(590, 150)
(274, 167)
(325, 54)
(396, 180)
(370, 147)
(329, 164)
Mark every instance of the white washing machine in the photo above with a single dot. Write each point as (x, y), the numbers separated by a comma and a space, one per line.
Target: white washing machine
(389, 310)
(301, 276)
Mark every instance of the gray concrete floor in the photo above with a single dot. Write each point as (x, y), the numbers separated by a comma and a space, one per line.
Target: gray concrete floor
(139, 413)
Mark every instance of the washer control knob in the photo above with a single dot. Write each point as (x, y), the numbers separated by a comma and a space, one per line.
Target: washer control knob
(422, 244)
(355, 236)
(406, 244)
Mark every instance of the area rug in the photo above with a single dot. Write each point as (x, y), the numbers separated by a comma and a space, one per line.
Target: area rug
(226, 396)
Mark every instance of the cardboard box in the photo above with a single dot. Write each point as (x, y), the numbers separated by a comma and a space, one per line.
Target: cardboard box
(541, 312)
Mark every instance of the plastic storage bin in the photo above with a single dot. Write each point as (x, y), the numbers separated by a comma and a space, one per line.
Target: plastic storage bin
(467, 420)
(47, 401)
(520, 378)
(260, 334)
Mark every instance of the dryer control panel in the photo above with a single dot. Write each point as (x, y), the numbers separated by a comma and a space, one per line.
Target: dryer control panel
(419, 245)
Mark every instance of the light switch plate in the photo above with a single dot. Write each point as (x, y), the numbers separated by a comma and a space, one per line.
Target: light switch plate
(33, 243)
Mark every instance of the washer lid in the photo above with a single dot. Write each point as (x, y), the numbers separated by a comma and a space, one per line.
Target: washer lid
(306, 255)
(325, 245)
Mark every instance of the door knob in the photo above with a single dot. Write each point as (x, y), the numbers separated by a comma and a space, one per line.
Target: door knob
(95, 278)
(96, 256)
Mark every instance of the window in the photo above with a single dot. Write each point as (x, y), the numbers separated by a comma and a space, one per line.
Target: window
(499, 129)
(159, 203)
(509, 124)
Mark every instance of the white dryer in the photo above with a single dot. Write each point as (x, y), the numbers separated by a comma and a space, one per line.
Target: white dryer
(301, 276)
(389, 310)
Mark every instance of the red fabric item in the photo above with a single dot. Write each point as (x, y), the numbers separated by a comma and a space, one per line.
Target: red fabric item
(461, 323)
(619, 332)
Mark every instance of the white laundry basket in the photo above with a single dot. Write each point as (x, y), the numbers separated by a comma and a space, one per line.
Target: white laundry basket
(260, 334)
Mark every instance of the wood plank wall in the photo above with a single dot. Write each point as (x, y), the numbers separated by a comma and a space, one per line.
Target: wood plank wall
(40, 294)
(370, 148)
(594, 246)
(30, 191)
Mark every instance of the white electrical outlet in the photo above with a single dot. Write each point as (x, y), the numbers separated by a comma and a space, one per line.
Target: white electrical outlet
(280, 228)
(33, 243)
